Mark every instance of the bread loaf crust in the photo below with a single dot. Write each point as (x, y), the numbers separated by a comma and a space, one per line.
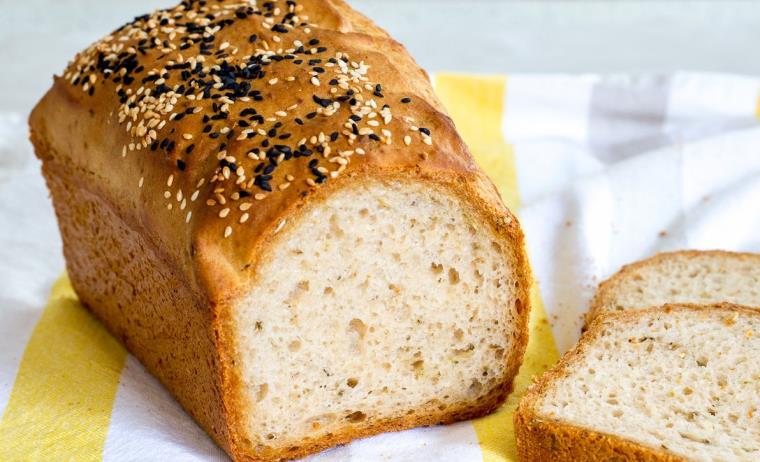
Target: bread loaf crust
(171, 305)
(540, 438)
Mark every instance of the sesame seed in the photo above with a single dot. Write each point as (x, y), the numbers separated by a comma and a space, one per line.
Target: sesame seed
(188, 216)
(187, 136)
(244, 218)
(407, 140)
(227, 231)
(273, 81)
(224, 212)
(140, 183)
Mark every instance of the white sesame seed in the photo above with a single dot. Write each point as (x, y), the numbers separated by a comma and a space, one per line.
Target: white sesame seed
(224, 45)
(315, 81)
(244, 218)
(140, 183)
(167, 194)
(245, 206)
(273, 81)
(427, 140)
(259, 196)
(188, 216)
(407, 140)
(187, 136)
(194, 196)
(224, 212)
(227, 231)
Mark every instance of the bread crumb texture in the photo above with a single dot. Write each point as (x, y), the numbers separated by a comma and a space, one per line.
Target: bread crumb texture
(699, 277)
(431, 333)
(683, 381)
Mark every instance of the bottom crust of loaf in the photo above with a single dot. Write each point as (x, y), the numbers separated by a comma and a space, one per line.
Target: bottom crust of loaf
(131, 287)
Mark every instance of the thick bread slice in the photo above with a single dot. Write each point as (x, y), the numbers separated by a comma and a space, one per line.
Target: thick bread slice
(681, 382)
(691, 276)
(267, 204)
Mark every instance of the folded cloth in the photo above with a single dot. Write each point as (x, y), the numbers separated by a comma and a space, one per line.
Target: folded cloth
(602, 170)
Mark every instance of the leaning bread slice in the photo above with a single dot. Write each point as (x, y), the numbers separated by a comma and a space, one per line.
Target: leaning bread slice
(661, 384)
(691, 276)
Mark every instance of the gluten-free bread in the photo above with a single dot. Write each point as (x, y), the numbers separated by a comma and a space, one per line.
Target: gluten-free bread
(267, 204)
(701, 277)
(676, 383)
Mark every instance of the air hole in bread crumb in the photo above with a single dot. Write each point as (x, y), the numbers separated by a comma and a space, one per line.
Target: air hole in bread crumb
(702, 361)
(329, 291)
(475, 388)
(418, 365)
(294, 346)
(356, 417)
(436, 267)
(617, 413)
(453, 276)
(262, 392)
(458, 334)
(358, 326)
(352, 382)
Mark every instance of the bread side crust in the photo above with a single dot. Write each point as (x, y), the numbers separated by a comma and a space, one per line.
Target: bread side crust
(541, 438)
(605, 293)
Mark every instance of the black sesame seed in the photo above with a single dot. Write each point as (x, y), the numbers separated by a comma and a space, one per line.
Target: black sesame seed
(313, 42)
(189, 149)
(406, 100)
(425, 131)
(181, 164)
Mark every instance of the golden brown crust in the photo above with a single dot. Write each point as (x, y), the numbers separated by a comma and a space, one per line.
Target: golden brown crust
(171, 305)
(540, 438)
(607, 289)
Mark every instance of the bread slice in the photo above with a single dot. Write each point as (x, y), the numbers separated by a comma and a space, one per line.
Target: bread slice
(681, 382)
(692, 276)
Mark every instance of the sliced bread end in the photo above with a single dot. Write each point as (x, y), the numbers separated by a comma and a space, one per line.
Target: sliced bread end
(689, 276)
(678, 382)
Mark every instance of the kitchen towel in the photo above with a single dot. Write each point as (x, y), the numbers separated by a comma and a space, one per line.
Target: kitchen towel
(601, 170)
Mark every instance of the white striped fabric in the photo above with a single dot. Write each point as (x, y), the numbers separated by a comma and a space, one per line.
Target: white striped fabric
(609, 169)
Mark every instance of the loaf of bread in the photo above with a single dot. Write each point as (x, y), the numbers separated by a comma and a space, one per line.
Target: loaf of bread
(690, 276)
(266, 203)
(663, 384)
